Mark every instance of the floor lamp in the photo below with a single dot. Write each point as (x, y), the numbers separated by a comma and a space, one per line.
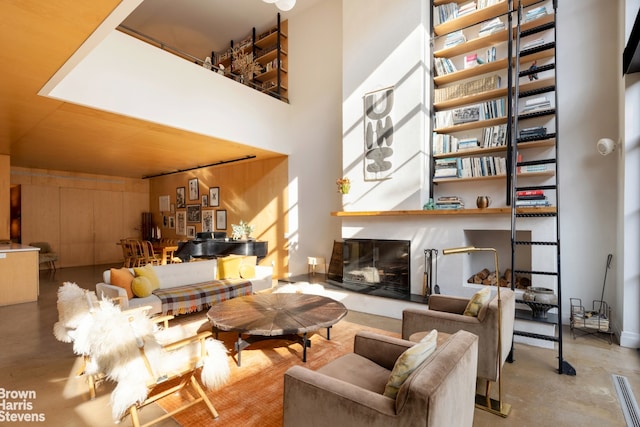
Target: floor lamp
(488, 404)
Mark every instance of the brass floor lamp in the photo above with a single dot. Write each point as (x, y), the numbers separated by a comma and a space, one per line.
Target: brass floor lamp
(485, 402)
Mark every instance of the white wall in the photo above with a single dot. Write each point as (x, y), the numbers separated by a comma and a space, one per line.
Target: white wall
(628, 291)
(589, 109)
(315, 70)
(127, 76)
(385, 48)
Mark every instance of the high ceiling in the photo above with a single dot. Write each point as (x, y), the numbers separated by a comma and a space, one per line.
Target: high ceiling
(43, 133)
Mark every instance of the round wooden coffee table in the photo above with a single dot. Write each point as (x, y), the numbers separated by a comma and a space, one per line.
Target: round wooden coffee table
(277, 315)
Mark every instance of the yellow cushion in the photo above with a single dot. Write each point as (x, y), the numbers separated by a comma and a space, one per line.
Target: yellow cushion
(248, 267)
(122, 277)
(409, 361)
(477, 301)
(148, 272)
(141, 286)
(229, 267)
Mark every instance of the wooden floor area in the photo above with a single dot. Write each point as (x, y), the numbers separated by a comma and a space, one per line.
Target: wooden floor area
(33, 360)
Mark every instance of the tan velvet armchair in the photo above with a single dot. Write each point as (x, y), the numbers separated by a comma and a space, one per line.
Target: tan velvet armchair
(349, 390)
(445, 314)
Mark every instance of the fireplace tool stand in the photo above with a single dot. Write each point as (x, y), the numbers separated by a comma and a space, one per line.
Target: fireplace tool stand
(430, 280)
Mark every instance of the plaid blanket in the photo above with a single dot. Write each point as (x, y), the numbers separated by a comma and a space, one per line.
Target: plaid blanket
(196, 297)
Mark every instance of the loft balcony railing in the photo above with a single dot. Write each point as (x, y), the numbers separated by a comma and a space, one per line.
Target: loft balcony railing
(184, 55)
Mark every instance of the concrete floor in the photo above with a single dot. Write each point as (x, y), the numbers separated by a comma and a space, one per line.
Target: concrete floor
(33, 360)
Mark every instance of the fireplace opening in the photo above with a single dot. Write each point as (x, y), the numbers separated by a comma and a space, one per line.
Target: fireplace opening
(377, 267)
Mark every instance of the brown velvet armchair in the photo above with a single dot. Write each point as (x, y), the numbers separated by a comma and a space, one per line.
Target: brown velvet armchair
(349, 390)
(445, 314)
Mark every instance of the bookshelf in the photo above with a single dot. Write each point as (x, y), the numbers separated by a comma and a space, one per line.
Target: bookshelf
(456, 90)
(259, 60)
(518, 41)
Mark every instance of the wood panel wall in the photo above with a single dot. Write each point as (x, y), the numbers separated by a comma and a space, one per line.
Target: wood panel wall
(82, 216)
(254, 191)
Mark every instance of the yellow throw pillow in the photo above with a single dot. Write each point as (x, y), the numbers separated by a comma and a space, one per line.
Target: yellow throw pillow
(229, 267)
(409, 361)
(141, 286)
(122, 278)
(148, 272)
(477, 301)
(248, 267)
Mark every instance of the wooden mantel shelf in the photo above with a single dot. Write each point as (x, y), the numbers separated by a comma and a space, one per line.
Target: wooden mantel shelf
(448, 212)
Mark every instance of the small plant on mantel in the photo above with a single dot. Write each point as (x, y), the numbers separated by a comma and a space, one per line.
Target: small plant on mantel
(241, 231)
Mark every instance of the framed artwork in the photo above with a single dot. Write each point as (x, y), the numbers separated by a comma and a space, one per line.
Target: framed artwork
(207, 220)
(193, 213)
(181, 223)
(180, 200)
(164, 203)
(193, 189)
(191, 231)
(221, 219)
(172, 221)
(165, 221)
(173, 207)
(214, 196)
(205, 201)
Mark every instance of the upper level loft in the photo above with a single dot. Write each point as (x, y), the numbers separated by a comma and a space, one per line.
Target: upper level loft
(259, 61)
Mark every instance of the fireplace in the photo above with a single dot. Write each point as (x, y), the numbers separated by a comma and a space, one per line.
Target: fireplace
(377, 267)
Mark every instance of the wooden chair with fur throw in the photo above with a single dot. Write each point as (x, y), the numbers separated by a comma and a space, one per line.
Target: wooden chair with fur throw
(148, 364)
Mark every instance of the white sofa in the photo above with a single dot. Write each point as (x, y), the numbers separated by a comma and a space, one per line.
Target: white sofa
(178, 275)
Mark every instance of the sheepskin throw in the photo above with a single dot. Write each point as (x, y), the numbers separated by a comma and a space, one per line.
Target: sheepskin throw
(73, 304)
(115, 338)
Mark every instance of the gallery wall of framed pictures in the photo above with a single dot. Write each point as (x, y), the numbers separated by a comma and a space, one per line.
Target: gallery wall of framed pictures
(255, 191)
(192, 210)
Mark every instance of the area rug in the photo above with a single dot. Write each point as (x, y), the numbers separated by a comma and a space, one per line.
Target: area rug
(253, 395)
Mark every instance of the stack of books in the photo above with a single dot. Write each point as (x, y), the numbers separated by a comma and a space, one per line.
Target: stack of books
(531, 198)
(530, 168)
(449, 202)
(491, 27)
(486, 3)
(494, 136)
(535, 104)
(454, 38)
(535, 13)
(532, 132)
(446, 168)
(444, 13)
(491, 54)
(472, 60)
(444, 66)
(466, 8)
(444, 143)
(468, 143)
(533, 43)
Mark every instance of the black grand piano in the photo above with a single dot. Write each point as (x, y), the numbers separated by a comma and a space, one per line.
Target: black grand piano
(214, 245)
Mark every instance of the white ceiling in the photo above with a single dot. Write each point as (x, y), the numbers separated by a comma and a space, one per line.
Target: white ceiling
(198, 27)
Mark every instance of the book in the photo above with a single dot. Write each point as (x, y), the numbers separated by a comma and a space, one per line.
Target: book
(470, 60)
(466, 114)
(529, 193)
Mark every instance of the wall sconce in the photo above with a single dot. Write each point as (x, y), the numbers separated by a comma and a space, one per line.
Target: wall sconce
(502, 410)
(283, 5)
(606, 146)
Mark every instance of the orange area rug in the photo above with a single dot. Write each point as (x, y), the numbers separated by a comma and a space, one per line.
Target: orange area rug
(253, 395)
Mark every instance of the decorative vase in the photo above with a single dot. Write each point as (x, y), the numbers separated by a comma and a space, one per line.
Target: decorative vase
(483, 202)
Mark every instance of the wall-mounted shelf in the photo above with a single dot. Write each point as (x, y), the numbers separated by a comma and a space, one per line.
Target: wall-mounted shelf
(447, 212)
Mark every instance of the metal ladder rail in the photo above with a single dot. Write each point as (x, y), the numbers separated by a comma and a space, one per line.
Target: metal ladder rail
(563, 366)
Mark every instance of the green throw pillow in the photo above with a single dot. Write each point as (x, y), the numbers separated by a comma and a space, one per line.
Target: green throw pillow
(148, 272)
(477, 301)
(141, 287)
(409, 362)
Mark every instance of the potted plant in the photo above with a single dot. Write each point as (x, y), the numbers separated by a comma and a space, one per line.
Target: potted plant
(241, 231)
